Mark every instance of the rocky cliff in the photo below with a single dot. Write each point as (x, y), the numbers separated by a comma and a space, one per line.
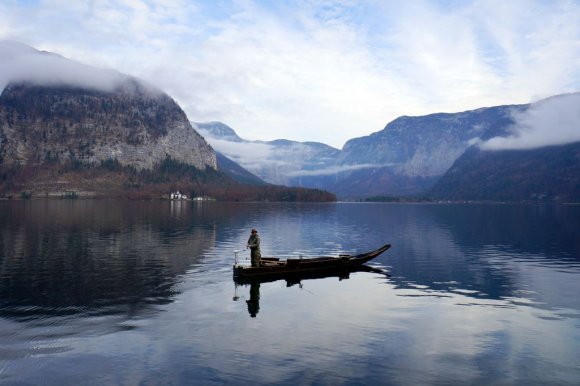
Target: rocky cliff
(72, 130)
(133, 124)
(437, 155)
(426, 146)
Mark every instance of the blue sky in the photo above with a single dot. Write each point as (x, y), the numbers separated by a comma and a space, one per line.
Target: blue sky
(311, 70)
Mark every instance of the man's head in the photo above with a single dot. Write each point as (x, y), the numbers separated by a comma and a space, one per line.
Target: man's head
(254, 231)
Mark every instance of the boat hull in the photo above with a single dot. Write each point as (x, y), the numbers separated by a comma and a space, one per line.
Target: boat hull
(274, 268)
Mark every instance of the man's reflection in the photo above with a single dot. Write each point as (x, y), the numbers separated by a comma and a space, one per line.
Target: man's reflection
(254, 302)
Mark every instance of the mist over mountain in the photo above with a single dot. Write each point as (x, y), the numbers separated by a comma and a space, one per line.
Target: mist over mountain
(68, 126)
(551, 121)
(22, 63)
(406, 157)
(544, 174)
(58, 110)
(277, 162)
(411, 155)
(236, 172)
(59, 117)
(538, 159)
(65, 126)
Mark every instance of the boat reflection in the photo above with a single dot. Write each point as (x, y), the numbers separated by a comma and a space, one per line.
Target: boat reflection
(253, 303)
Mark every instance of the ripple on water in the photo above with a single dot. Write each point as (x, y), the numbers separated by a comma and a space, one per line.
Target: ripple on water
(146, 289)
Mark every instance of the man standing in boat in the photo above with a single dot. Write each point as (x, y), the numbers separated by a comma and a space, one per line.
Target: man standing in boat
(254, 245)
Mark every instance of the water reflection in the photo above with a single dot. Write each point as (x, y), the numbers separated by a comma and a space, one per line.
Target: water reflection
(483, 251)
(94, 258)
(497, 252)
(140, 293)
(253, 303)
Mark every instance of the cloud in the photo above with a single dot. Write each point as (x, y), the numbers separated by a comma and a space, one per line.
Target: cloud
(278, 163)
(21, 63)
(334, 170)
(554, 121)
(250, 155)
(289, 161)
(317, 71)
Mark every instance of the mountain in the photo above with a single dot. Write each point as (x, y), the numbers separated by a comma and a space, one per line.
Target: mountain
(407, 157)
(218, 130)
(281, 161)
(225, 164)
(538, 159)
(410, 154)
(550, 173)
(130, 125)
(51, 136)
(53, 116)
(68, 126)
(509, 152)
(236, 172)
(65, 126)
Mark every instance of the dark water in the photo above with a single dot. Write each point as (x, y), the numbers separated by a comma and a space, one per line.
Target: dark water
(141, 293)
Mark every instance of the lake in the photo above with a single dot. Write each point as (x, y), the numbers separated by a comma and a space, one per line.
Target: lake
(141, 293)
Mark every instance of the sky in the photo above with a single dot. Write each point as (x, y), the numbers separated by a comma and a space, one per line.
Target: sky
(324, 71)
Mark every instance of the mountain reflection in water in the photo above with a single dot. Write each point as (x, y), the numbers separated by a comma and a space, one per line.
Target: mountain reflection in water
(74, 258)
(120, 292)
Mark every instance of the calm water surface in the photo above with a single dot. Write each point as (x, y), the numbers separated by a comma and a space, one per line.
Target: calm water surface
(141, 293)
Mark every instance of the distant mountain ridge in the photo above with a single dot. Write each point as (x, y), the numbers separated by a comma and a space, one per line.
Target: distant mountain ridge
(406, 157)
(410, 154)
(219, 130)
(276, 162)
(436, 155)
(236, 172)
(426, 146)
(546, 174)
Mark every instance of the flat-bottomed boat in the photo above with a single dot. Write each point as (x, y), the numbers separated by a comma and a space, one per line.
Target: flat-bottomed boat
(273, 267)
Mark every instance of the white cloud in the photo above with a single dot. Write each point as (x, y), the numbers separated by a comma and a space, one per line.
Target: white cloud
(20, 63)
(334, 170)
(279, 163)
(555, 121)
(250, 155)
(313, 71)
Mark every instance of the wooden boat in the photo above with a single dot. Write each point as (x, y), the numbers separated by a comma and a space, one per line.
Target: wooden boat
(275, 268)
(300, 276)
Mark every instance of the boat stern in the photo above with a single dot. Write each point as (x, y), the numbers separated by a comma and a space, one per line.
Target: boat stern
(238, 268)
